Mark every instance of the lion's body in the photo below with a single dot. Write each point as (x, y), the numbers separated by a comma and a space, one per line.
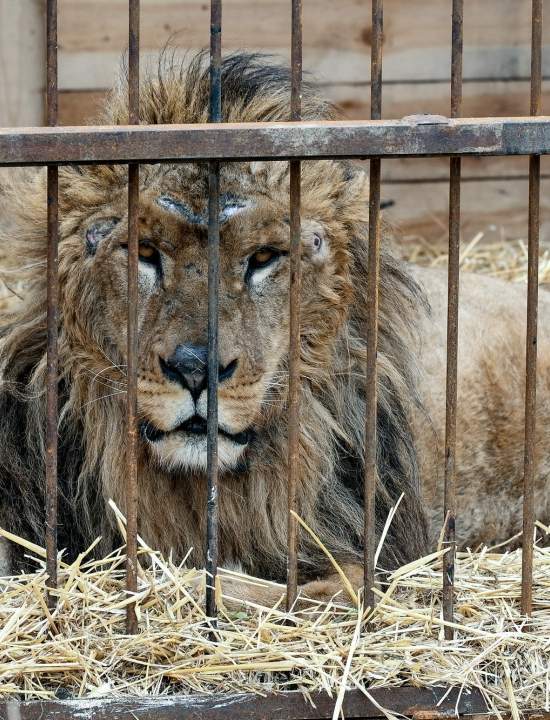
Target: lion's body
(491, 405)
(253, 357)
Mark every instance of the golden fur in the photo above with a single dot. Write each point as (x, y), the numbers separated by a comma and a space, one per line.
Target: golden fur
(253, 346)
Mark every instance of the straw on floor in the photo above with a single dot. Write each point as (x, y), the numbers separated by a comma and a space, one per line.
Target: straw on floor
(502, 258)
(80, 648)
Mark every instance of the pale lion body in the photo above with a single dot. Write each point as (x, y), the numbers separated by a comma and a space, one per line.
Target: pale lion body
(491, 405)
(253, 359)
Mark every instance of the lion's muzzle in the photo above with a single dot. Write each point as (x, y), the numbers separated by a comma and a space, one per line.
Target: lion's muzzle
(181, 441)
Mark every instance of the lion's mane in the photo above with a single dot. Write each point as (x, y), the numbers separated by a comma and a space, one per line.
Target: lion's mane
(92, 423)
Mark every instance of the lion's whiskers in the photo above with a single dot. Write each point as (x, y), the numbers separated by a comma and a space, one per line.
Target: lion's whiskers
(105, 382)
(112, 363)
(104, 397)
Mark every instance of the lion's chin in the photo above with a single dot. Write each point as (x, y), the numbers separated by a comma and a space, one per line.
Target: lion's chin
(185, 447)
(188, 452)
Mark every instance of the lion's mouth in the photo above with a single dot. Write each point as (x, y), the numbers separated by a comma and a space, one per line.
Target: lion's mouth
(194, 425)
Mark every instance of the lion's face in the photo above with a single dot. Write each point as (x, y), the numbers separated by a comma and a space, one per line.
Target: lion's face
(173, 309)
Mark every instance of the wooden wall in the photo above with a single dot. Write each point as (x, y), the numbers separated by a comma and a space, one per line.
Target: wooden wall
(337, 35)
(22, 69)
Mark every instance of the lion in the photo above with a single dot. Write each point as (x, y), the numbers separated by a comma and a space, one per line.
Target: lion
(253, 358)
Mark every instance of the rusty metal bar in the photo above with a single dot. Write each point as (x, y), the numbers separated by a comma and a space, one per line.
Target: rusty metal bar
(449, 502)
(294, 305)
(52, 311)
(373, 271)
(132, 334)
(532, 318)
(414, 136)
(439, 703)
(215, 116)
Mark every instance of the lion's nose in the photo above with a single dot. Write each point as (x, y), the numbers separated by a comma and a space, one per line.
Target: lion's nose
(189, 367)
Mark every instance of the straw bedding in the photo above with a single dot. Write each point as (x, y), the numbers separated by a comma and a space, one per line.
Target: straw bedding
(506, 259)
(80, 648)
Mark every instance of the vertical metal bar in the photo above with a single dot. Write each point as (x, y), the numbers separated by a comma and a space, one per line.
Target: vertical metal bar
(373, 270)
(132, 334)
(452, 328)
(52, 312)
(294, 309)
(215, 115)
(532, 313)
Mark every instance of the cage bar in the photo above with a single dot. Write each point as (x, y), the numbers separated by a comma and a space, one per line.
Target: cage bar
(215, 116)
(413, 136)
(373, 271)
(132, 334)
(449, 503)
(52, 310)
(532, 320)
(294, 308)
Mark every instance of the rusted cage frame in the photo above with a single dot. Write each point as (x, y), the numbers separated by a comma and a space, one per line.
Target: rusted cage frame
(413, 137)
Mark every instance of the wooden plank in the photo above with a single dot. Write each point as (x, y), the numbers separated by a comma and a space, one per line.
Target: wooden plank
(80, 107)
(496, 99)
(99, 24)
(413, 170)
(88, 69)
(22, 63)
(93, 34)
(480, 99)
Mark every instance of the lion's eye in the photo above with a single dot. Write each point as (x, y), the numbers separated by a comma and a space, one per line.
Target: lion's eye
(148, 254)
(260, 260)
(262, 257)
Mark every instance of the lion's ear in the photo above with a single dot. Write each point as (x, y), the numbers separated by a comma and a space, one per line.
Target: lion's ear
(314, 241)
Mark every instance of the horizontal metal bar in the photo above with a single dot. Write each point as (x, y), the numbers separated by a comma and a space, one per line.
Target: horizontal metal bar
(410, 701)
(415, 136)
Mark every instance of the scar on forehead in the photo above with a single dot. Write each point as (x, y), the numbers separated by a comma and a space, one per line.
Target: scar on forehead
(230, 205)
(174, 206)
